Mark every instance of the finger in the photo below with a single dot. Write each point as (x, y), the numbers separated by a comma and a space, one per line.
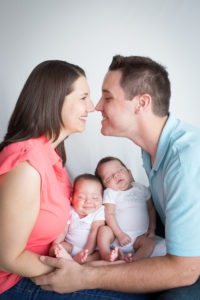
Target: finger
(52, 261)
(42, 279)
(46, 287)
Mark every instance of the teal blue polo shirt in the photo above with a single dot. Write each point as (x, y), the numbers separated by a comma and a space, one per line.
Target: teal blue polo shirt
(175, 186)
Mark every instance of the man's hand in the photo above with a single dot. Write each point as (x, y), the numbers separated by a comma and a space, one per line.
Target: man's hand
(65, 279)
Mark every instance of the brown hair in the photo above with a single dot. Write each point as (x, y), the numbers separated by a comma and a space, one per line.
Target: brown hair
(38, 109)
(87, 176)
(142, 75)
(103, 161)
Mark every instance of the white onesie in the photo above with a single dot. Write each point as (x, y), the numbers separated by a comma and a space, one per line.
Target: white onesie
(79, 228)
(131, 212)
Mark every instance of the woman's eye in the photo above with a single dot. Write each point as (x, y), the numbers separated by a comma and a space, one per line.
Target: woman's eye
(84, 98)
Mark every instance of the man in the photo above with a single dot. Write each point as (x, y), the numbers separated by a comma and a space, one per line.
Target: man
(135, 105)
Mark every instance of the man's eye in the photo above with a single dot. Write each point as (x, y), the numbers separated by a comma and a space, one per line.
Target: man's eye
(108, 98)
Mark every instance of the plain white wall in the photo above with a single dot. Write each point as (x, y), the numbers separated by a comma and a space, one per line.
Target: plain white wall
(89, 33)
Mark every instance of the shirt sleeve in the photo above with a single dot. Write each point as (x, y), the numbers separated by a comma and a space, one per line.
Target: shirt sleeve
(143, 192)
(108, 196)
(100, 214)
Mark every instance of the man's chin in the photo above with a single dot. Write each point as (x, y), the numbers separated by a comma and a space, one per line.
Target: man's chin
(105, 132)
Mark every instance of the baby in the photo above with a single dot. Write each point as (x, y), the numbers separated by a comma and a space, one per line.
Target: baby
(79, 239)
(129, 214)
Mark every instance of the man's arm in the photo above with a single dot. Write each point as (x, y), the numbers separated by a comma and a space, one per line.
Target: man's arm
(152, 218)
(147, 275)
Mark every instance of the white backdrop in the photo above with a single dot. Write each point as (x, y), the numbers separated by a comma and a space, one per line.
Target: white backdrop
(89, 33)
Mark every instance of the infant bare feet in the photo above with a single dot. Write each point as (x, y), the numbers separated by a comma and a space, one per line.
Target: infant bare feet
(61, 252)
(81, 257)
(115, 254)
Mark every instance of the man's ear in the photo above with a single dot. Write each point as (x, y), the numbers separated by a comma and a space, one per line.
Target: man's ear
(143, 102)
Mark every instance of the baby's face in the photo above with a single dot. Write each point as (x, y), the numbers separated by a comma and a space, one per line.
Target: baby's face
(115, 176)
(87, 197)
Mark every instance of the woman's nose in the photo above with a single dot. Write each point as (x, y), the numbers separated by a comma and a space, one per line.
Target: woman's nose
(91, 107)
(99, 106)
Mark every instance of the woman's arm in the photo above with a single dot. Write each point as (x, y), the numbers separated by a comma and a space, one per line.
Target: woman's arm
(19, 208)
(111, 221)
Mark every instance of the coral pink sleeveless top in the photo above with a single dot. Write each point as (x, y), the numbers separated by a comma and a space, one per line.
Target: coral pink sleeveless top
(54, 198)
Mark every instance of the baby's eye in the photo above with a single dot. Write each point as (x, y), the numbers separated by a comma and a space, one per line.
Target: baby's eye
(108, 179)
(81, 198)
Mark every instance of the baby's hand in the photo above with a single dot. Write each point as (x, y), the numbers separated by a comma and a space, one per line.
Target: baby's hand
(52, 249)
(123, 239)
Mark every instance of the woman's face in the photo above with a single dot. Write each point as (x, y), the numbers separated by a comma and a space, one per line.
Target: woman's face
(76, 107)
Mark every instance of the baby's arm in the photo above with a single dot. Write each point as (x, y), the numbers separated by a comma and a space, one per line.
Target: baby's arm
(111, 221)
(91, 244)
(92, 238)
(152, 218)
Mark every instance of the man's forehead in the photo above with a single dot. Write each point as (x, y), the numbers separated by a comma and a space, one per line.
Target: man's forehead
(111, 79)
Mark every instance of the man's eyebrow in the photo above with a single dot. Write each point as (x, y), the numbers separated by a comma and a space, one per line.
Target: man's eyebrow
(106, 91)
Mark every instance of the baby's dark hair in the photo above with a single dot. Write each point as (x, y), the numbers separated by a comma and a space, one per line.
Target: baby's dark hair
(87, 176)
(105, 160)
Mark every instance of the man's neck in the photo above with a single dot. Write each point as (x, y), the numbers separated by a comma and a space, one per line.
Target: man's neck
(150, 129)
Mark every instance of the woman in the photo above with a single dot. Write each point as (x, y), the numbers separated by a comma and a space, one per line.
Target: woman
(34, 186)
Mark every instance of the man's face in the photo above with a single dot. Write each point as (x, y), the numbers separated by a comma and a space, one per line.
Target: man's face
(117, 111)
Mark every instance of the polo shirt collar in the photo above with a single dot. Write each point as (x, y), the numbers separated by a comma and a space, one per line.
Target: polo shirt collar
(164, 141)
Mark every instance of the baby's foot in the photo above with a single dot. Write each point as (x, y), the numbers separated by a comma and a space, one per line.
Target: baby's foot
(129, 258)
(61, 252)
(81, 257)
(112, 255)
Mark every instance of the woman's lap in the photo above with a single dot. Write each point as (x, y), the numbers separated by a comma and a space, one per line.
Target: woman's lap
(27, 290)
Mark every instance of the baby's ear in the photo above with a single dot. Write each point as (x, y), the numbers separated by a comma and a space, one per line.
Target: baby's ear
(131, 176)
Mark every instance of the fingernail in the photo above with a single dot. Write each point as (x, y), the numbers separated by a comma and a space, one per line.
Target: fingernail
(42, 258)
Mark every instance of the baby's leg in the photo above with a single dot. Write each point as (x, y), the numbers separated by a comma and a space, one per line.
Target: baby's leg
(143, 247)
(104, 238)
(61, 252)
(93, 256)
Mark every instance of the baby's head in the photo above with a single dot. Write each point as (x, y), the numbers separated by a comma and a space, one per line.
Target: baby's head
(87, 194)
(114, 174)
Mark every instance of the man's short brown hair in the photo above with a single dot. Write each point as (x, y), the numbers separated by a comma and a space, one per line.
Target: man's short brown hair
(142, 75)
